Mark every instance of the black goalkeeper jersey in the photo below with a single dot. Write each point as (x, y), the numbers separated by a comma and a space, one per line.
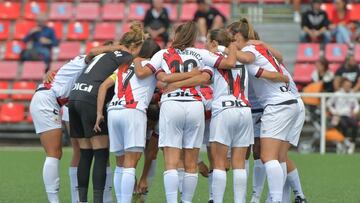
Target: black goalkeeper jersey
(101, 67)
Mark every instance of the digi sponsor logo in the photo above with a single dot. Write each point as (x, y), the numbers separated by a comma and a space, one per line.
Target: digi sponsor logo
(83, 87)
(233, 103)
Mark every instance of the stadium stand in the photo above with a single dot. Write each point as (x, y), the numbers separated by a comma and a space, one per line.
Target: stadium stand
(105, 31)
(22, 28)
(10, 10)
(110, 11)
(33, 8)
(138, 10)
(87, 11)
(78, 30)
(336, 52)
(187, 11)
(4, 85)
(33, 70)
(4, 30)
(308, 52)
(12, 112)
(13, 50)
(61, 11)
(8, 70)
(23, 85)
(302, 72)
(67, 50)
(58, 28)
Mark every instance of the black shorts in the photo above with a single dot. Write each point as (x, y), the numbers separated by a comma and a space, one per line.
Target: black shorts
(82, 118)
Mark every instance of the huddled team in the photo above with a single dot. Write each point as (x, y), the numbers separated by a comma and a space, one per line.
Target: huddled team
(234, 96)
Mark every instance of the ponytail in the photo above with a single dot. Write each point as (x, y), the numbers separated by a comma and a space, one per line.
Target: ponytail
(134, 37)
(244, 27)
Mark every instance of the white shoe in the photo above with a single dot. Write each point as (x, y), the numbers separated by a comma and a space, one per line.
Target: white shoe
(255, 199)
(297, 17)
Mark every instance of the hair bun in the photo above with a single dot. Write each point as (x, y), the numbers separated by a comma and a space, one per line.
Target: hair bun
(136, 27)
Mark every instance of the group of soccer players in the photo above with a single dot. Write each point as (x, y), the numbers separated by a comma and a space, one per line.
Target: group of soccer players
(233, 96)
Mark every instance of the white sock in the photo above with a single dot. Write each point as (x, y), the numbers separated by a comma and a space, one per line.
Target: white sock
(294, 181)
(284, 168)
(127, 185)
(189, 187)
(51, 177)
(73, 184)
(151, 173)
(210, 180)
(247, 166)
(275, 178)
(117, 182)
(171, 183)
(218, 185)
(240, 183)
(286, 193)
(108, 186)
(259, 176)
(181, 173)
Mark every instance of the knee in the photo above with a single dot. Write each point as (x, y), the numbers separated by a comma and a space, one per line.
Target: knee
(56, 153)
(218, 22)
(202, 22)
(190, 166)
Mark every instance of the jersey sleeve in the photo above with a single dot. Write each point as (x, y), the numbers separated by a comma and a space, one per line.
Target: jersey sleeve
(211, 59)
(254, 71)
(209, 70)
(251, 49)
(114, 75)
(155, 63)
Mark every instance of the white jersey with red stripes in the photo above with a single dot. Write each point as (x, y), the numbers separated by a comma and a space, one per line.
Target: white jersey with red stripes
(266, 91)
(179, 61)
(230, 88)
(130, 91)
(207, 98)
(66, 77)
(292, 86)
(254, 101)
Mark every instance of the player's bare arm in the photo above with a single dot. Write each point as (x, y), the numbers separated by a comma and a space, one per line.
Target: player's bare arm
(230, 61)
(174, 77)
(241, 56)
(109, 82)
(197, 80)
(276, 53)
(273, 76)
(141, 71)
(101, 49)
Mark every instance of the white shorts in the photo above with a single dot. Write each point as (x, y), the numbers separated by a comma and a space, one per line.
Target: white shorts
(45, 111)
(278, 120)
(127, 130)
(207, 132)
(65, 114)
(232, 127)
(294, 135)
(256, 118)
(181, 124)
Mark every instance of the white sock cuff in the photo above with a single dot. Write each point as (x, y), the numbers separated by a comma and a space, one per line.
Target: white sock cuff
(171, 171)
(239, 170)
(191, 174)
(219, 171)
(180, 170)
(272, 163)
(258, 162)
(52, 160)
(118, 169)
(129, 171)
(293, 172)
(73, 170)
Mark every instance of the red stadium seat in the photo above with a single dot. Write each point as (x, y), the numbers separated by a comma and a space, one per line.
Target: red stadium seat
(333, 67)
(357, 52)
(125, 27)
(274, 1)
(33, 70)
(13, 50)
(68, 50)
(33, 8)
(78, 31)
(224, 9)
(57, 65)
(328, 8)
(9, 10)
(4, 30)
(302, 72)
(336, 52)
(113, 11)
(355, 12)
(172, 11)
(4, 86)
(24, 85)
(58, 28)
(29, 118)
(90, 45)
(105, 31)
(61, 11)
(138, 11)
(188, 11)
(12, 112)
(8, 70)
(87, 11)
(22, 28)
(308, 52)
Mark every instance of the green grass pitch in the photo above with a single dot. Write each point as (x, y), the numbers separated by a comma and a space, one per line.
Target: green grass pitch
(325, 178)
